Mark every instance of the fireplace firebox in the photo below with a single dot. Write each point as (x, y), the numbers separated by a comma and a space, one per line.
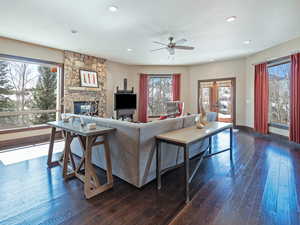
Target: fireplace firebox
(86, 108)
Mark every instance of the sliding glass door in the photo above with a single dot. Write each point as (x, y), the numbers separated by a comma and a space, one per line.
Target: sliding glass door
(29, 93)
(218, 96)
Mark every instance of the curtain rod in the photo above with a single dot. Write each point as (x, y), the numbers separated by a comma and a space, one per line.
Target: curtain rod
(276, 59)
(160, 75)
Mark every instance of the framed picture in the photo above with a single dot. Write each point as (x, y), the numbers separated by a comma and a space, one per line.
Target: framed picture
(88, 78)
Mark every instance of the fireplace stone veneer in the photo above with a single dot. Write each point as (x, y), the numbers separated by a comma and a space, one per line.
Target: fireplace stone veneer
(73, 92)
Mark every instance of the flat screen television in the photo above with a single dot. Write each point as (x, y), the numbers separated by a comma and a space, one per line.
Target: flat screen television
(125, 101)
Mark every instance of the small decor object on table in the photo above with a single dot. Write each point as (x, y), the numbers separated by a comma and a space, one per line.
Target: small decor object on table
(88, 79)
(66, 119)
(91, 126)
(201, 123)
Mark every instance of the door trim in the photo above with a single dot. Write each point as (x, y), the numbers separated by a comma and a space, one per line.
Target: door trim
(233, 80)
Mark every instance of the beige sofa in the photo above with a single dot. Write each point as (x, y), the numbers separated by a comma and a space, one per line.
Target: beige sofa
(133, 147)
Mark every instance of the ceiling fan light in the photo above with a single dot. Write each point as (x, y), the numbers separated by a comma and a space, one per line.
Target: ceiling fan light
(171, 51)
(73, 31)
(231, 19)
(113, 8)
(247, 42)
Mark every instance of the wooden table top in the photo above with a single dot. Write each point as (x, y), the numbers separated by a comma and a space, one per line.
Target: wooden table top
(189, 135)
(76, 128)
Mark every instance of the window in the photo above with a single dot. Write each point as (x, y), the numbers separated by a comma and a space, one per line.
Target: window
(29, 93)
(160, 92)
(205, 98)
(217, 96)
(279, 94)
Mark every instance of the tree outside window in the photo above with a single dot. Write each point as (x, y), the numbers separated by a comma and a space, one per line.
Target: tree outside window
(160, 92)
(24, 88)
(279, 93)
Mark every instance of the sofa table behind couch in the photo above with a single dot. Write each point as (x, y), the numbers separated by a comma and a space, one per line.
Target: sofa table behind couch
(184, 138)
(87, 139)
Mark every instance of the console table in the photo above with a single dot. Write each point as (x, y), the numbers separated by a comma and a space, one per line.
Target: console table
(184, 138)
(84, 170)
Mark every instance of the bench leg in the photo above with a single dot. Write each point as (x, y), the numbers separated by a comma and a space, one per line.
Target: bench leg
(66, 156)
(92, 184)
(108, 161)
(50, 151)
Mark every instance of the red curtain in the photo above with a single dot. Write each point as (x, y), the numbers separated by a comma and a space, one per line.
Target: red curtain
(176, 87)
(295, 99)
(143, 98)
(261, 98)
(180, 109)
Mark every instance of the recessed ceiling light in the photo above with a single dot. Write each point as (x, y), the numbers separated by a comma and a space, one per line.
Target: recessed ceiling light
(74, 31)
(231, 19)
(129, 49)
(247, 42)
(113, 8)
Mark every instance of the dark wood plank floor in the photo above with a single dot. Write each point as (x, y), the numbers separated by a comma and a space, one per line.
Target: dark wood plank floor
(260, 187)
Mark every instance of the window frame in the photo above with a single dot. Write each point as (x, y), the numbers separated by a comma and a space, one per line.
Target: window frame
(277, 62)
(156, 76)
(60, 84)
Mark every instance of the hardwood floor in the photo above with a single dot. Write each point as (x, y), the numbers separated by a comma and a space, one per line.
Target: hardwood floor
(260, 187)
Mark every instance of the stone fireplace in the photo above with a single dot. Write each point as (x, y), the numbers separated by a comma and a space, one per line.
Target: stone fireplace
(73, 92)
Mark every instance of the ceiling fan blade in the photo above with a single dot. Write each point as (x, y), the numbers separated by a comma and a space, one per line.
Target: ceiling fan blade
(184, 47)
(160, 43)
(158, 49)
(181, 41)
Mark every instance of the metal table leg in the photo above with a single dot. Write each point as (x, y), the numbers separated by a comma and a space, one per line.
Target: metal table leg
(209, 144)
(187, 173)
(158, 164)
(231, 142)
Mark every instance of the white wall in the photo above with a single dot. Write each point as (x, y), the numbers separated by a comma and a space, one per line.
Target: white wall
(278, 51)
(225, 69)
(116, 72)
(19, 48)
(184, 95)
(242, 69)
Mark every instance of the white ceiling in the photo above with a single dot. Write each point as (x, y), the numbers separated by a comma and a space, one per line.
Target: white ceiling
(138, 23)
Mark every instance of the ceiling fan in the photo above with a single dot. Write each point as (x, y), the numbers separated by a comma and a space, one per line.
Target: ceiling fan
(173, 45)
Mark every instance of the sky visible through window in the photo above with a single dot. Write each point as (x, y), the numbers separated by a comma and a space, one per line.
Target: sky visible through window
(281, 70)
